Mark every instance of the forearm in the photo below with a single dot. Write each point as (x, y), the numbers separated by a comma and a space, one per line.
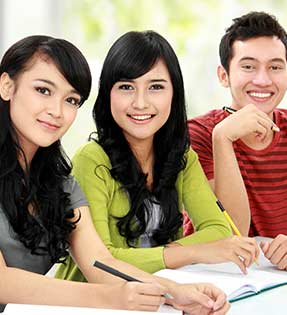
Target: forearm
(19, 286)
(228, 183)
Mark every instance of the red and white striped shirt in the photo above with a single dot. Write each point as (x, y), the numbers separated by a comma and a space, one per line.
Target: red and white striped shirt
(264, 171)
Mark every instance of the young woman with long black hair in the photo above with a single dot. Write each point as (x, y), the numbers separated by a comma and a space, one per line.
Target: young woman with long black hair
(139, 173)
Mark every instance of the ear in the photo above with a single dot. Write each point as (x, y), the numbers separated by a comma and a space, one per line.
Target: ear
(223, 76)
(6, 86)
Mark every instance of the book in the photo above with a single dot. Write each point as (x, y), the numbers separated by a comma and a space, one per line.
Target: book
(229, 278)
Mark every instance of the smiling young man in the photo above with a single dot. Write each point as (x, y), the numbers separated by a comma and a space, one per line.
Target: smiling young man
(244, 153)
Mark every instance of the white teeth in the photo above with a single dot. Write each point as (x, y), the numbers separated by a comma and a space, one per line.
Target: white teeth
(260, 95)
(142, 117)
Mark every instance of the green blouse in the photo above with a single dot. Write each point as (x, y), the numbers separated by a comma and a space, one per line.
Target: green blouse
(107, 201)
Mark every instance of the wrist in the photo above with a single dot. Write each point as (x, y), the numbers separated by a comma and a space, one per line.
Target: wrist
(219, 135)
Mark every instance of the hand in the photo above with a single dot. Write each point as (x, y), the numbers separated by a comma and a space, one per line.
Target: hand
(244, 122)
(199, 298)
(276, 251)
(243, 251)
(141, 296)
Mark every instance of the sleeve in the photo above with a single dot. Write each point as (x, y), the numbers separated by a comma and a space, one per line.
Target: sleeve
(200, 133)
(199, 202)
(107, 202)
(77, 197)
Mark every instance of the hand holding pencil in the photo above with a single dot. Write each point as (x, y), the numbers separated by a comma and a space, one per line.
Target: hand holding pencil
(247, 121)
(232, 224)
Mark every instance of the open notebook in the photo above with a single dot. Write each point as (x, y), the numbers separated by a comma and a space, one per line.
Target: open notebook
(229, 278)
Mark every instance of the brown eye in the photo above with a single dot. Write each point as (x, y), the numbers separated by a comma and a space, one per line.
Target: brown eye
(126, 87)
(43, 90)
(156, 87)
(74, 101)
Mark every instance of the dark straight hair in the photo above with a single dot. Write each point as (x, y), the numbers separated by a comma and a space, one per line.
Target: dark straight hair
(251, 25)
(131, 56)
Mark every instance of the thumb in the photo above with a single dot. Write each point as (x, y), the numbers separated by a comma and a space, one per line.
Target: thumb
(202, 299)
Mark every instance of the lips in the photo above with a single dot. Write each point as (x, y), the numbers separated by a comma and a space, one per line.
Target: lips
(49, 125)
(260, 94)
(142, 117)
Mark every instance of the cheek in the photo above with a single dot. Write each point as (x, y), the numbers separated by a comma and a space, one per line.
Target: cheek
(70, 117)
(117, 108)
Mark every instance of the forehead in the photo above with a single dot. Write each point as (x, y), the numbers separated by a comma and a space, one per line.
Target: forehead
(263, 49)
(39, 63)
(158, 71)
(41, 67)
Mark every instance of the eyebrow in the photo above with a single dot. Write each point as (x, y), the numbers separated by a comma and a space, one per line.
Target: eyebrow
(54, 85)
(132, 80)
(254, 59)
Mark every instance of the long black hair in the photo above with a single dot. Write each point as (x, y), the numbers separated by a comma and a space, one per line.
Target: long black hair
(41, 185)
(130, 57)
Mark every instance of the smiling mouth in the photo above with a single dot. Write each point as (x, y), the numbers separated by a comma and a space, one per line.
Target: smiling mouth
(260, 95)
(141, 117)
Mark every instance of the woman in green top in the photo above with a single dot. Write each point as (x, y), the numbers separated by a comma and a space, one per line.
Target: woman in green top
(140, 172)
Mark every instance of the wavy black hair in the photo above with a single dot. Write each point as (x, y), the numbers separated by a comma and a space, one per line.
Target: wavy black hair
(41, 185)
(251, 25)
(130, 57)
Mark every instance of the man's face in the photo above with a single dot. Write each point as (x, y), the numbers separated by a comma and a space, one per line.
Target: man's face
(257, 73)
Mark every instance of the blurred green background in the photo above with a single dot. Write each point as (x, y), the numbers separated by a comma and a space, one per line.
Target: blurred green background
(194, 29)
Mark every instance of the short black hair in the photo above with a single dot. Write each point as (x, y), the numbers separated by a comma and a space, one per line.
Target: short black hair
(251, 25)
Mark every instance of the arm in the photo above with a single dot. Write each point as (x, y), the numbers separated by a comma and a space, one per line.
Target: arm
(254, 127)
(196, 297)
(216, 155)
(228, 183)
(209, 243)
(20, 286)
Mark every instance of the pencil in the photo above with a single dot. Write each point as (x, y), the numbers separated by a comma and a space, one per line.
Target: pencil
(122, 275)
(230, 221)
(231, 110)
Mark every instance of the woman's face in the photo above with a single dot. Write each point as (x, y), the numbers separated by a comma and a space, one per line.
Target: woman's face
(43, 104)
(142, 106)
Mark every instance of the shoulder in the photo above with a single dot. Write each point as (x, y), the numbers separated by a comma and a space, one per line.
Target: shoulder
(93, 152)
(70, 185)
(191, 156)
(207, 120)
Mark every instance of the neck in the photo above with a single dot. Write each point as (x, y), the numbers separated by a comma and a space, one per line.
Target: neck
(144, 154)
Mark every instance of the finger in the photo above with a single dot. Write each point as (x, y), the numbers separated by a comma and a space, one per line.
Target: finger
(282, 265)
(223, 310)
(239, 262)
(202, 299)
(279, 253)
(220, 301)
(248, 254)
(250, 245)
(274, 244)
(260, 131)
(264, 246)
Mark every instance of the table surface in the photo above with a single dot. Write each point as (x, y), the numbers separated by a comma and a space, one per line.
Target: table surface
(273, 302)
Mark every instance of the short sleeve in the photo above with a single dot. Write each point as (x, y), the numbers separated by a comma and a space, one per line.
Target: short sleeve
(77, 197)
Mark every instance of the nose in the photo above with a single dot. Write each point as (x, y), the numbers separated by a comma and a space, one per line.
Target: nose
(262, 78)
(139, 101)
(55, 108)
